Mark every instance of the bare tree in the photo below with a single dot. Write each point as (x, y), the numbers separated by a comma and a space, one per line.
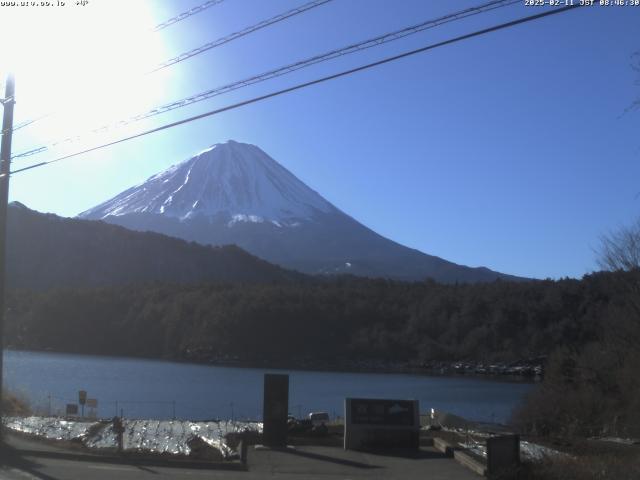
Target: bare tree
(620, 250)
(635, 65)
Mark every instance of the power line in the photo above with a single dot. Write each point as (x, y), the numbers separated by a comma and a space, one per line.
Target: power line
(196, 51)
(26, 123)
(241, 33)
(158, 27)
(31, 152)
(187, 14)
(299, 86)
(353, 48)
(278, 72)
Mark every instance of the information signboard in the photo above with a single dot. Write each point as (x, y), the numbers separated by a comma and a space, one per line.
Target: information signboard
(372, 423)
(382, 412)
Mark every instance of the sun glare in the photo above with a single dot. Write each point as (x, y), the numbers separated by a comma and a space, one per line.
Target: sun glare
(85, 63)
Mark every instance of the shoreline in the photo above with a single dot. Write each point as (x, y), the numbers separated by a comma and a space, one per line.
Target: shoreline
(435, 369)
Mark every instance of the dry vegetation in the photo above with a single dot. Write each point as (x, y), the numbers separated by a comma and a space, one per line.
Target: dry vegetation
(16, 405)
(621, 465)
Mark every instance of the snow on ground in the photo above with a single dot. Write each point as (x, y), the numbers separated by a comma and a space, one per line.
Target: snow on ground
(623, 441)
(146, 436)
(49, 428)
(477, 434)
(535, 452)
(528, 451)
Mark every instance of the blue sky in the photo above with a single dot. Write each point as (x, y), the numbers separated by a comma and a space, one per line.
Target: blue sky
(509, 150)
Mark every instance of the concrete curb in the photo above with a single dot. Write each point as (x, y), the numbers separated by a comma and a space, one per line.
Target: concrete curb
(443, 446)
(461, 456)
(470, 462)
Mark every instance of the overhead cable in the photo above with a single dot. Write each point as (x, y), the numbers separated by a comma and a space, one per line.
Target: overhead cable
(234, 106)
(372, 42)
(186, 14)
(241, 33)
(203, 48)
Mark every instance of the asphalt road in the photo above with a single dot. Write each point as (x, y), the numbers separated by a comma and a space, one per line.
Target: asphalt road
(28, 460)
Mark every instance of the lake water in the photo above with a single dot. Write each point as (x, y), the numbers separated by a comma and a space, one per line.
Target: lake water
(157, 389)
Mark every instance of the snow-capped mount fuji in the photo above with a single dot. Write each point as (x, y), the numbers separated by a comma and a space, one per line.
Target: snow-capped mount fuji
(235, 180)
(234, 193)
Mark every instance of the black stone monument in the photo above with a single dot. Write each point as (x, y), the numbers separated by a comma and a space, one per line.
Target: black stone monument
(275, 410)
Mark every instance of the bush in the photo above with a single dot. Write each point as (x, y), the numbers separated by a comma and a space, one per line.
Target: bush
(15, 405)
(593, 389)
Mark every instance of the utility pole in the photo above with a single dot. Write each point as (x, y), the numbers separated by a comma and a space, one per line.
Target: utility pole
(5, 158)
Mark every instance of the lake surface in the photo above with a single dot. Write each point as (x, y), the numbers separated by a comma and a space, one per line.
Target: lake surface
(157, 389)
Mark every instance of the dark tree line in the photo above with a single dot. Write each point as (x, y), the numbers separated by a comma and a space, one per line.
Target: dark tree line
(592, 388)
(327, 319)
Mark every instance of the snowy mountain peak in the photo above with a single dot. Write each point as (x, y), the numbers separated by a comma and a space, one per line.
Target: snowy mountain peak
(232, 180)
(234, 193)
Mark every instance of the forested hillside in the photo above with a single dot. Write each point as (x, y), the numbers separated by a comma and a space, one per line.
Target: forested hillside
(334, 321)
(46, 251)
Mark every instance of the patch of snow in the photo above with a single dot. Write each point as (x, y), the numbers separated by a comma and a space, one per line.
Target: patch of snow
(49, 428)
(155, 436)
(624, 441)
(245, 218)
(528, 451)
(535, 452)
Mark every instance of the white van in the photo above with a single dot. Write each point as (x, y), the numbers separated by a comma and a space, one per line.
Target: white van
(319, 418)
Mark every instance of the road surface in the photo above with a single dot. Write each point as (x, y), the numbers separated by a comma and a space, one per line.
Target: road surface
(304, 463)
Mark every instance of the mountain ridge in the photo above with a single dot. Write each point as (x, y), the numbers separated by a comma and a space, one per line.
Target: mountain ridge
(46, 251)
(234, 193)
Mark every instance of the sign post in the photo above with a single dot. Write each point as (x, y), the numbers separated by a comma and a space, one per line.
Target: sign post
(82, 399)
(92, 403)
(118, 428)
